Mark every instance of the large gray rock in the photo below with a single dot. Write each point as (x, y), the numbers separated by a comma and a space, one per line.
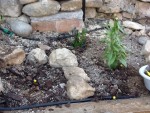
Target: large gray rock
(111, 6)
(10, 8)
(128, 6)
(70, 72)
(90, 12)
(94, 3)
(24, 18)
(71, 5)
(115, 6)
(37, 56)
(27, 1)
(60, 22)
(39, 9)
(63, 58)
(11, 56)
(59, 16)
(20, 28)
(143, 9)
(78, 88)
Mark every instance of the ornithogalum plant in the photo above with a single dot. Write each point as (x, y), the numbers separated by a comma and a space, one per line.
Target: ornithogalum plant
(80, 38)
(114, 52)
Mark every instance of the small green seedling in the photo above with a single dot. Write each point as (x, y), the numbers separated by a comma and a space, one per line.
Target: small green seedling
(114, 52)
(1, 19)
(80, 39)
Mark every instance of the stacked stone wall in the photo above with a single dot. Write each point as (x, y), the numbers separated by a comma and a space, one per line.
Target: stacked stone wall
(64, 15)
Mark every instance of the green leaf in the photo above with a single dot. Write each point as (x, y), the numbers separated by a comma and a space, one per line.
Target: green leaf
(114, 65)
(112, 60)
(116, 48)
(123, 62)
(110, 55)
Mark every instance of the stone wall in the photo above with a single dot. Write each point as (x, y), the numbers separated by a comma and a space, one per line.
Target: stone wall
(122, 8)
(64, 15)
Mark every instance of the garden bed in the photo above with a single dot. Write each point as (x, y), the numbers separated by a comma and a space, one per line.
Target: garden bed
(18, 80)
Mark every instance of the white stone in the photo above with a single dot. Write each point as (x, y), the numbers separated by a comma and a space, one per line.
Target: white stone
(37, 56)
(44, 47)
(62, 58)
(62, 85)
(70, 72)
(146, 48)
(78, 88)
(20, 28)
(133, 25)
(15, 57)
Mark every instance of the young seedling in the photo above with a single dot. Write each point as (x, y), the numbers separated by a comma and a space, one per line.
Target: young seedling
(80, 39)
(114, 53)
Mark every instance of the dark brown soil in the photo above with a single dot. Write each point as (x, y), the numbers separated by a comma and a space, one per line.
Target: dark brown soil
(50, 86)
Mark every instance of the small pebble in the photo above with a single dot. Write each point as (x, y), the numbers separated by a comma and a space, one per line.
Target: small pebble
(62, 85)
(143, 39)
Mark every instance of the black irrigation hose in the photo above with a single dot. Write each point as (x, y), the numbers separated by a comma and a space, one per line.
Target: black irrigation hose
(65, 36)
(63, 102)
(62, 36)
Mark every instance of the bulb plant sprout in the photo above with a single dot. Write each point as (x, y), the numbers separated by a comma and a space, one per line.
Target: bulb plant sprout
(114, 52)
(1, 18)
(80, 38)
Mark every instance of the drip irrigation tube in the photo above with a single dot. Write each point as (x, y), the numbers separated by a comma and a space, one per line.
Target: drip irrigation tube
(64, 36)
(6, 31)
(63, 102)
(83, 8)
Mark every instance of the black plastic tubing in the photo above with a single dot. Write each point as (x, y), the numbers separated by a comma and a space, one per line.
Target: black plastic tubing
(63, 102)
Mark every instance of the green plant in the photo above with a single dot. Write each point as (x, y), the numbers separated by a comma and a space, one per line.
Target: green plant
(1, 18)
(80, 38)
(114, 52)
